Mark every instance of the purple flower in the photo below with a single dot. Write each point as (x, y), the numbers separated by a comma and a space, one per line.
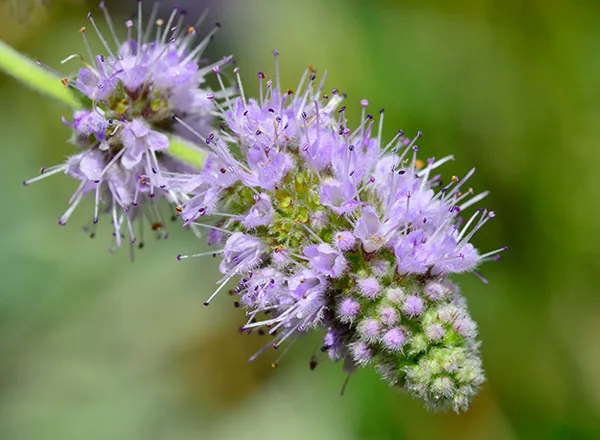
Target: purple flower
(434, 331)
(413, 306)
(214, 237)
(345, 240)
(465, 326)
(333, 342)
(242, 252)
(369, 287)
(326, 259)
(138, 141)
(96, 84)
(361, 353)
(262, 288)
(268, 167)
(90, 122)
(306, 282)
(339, 196)
(260, 214)
(412, 253)
(369, 330)
(388, 316)
(436, 290)
(394, 339)
(321, 143)
(370, 231)
(203, 202)
(348, 310)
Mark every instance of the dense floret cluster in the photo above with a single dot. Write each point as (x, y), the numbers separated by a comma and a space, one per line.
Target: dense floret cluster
(327, 226)
(128, 97)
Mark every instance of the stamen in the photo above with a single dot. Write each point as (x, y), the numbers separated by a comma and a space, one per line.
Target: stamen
(110, 24)
(201, 19)
(201, 254)
(65, 217)
(320, 87)
(169, 23)
(239, 82)
(197, 51)
(489, 254)
(46, 172)
(96, 202)
(390, 143)
(207, 302)
(474, 200)
(261, 76)
(276, 62)
(225, 231)
(151, 22)
(82, 31)
(222, 85)
(139, 31)
(310, 231)
(100, 36)
(481, 277)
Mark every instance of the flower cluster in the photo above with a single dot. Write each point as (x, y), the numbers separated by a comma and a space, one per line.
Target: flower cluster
(129, 95)
(329, 227)
(322, 226)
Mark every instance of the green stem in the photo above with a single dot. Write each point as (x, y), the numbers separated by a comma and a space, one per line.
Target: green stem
(23, 69)
(186, 151)
(33, 76)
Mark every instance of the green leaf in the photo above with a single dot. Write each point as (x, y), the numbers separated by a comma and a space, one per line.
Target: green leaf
(35, 77)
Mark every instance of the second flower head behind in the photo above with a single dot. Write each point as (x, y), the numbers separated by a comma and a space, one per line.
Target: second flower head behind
(129, 93)
(329, 227)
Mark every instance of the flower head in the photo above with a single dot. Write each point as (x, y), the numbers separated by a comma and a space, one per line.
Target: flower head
(328, 227)
(130, 93)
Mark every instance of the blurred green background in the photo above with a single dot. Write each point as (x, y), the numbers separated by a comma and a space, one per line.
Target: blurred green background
(95, 347)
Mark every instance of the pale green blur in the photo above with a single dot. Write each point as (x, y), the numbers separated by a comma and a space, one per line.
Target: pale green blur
(95, 347)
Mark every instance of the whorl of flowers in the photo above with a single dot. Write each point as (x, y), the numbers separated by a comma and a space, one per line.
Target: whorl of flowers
(329, 227)
(129, 94)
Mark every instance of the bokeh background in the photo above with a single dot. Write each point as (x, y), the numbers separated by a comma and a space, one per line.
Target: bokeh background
(93, 346)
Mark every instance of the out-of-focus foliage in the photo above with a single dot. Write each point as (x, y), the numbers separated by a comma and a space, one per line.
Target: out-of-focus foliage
(94, 347)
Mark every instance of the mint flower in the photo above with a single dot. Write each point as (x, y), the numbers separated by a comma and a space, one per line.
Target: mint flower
(328, 227)
(130, 93)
